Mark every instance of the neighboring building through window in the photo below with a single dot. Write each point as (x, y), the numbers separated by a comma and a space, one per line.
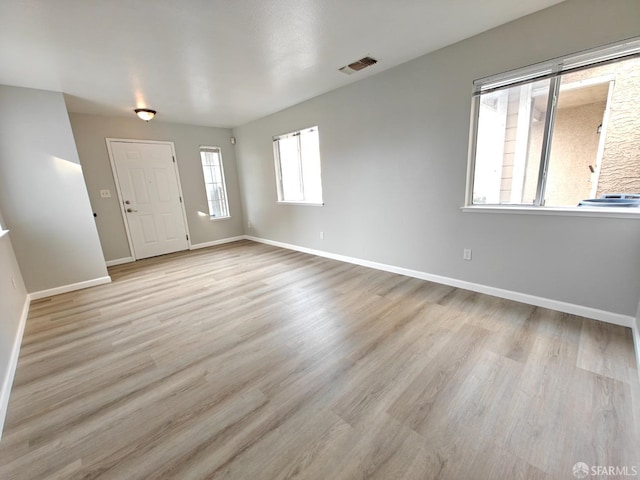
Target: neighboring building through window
(214, 182)
(561, 132)
(297, 161)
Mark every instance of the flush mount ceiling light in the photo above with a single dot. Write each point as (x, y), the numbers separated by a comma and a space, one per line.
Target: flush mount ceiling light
(145, 114)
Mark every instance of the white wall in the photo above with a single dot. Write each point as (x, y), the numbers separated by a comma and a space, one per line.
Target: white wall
(90, 132)
(394, 158)
(42, 192)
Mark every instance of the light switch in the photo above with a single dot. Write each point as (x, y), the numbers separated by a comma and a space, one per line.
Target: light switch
(105, 193)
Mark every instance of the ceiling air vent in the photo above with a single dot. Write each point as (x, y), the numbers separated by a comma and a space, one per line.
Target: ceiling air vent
(358, 65)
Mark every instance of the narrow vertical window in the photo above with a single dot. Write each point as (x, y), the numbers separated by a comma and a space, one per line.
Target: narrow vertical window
(214, 182)
(297, 162)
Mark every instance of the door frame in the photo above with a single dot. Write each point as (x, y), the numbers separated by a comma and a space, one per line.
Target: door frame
(116, 180)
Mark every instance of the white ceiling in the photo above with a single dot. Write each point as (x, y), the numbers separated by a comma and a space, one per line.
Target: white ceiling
(222, 62)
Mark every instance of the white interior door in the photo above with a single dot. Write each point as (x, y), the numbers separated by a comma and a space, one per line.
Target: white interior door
(149, 189)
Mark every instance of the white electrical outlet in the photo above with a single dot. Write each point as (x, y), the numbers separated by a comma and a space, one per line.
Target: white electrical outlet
(105, 193)
(321, 235)
(466, 254)
(13, 282)
(248, 224)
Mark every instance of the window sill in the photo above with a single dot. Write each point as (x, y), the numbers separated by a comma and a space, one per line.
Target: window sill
(604, 212)
(310, 204)
(3, 233)
(215, 219)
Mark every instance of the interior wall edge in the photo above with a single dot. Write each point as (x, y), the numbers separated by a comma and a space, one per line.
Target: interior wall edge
(222, 241)
(636, 337)
(69, 288)
(9, 374)
(119, 261)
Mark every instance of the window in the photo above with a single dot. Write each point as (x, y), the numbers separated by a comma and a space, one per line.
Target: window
(214, 182)
(560, 134)
(297, 159)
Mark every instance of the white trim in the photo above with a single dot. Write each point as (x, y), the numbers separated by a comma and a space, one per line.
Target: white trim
(294, 133)
(119, 261)
(564, 64)
(471, 150)
(69, 288)
(217, 242)
(9, 374)
(571, 308)
(523, 125)
(603, 212)
(308, 204)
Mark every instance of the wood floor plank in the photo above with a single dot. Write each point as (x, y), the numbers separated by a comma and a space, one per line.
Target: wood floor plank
(603, 350)
(249, 361)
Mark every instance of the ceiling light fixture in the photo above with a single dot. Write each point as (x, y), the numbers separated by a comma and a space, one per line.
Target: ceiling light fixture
(145, 114)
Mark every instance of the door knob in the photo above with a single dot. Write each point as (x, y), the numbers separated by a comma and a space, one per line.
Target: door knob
(131, 210)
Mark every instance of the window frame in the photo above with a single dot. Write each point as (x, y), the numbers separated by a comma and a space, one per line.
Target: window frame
(553, 70)
(278, 167)
(218, 150)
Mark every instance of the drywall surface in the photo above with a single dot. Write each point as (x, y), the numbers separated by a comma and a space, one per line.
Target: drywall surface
(394, 151)
(42, 192)
(90, 132)
(13, 300)
(13, 296)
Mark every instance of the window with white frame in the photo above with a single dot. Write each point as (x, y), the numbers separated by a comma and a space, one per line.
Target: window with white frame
(297, 162)
(564, 133)
(214, 183)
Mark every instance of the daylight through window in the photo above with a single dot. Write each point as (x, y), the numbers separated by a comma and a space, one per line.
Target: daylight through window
(563, 133)
(297, 162)
(214, 182)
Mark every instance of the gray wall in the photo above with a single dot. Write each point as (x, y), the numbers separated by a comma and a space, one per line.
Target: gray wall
(394, 153)
(90, 132)
(12, 301)
(42, 192)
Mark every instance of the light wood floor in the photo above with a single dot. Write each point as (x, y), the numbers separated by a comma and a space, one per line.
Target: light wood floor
(250, 362)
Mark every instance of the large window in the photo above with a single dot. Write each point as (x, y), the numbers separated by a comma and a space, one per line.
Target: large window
(297, 160)
(214, 182)
(560, 134)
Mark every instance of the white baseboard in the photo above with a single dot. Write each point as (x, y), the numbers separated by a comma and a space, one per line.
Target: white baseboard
(119, 261)
(9, 374)
(580, 310)
(217, 242)
(69, 288)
